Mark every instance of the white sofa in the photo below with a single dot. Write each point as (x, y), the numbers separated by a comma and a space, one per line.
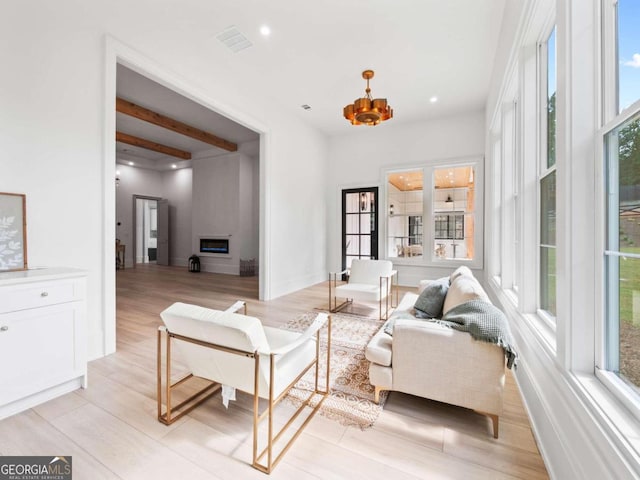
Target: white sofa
(433, 361)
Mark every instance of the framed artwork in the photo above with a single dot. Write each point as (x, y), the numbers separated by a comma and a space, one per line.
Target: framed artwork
(13, 232)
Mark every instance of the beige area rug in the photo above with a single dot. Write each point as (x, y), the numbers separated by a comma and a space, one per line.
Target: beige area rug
(351, 399)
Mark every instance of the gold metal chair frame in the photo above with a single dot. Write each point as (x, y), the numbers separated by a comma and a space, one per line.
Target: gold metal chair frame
(186, 406)
(385, 279)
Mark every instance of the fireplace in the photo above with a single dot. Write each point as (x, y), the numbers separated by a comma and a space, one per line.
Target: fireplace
(214, 245)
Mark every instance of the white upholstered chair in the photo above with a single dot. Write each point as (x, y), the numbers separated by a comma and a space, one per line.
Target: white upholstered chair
(236, 351)
(368, 281)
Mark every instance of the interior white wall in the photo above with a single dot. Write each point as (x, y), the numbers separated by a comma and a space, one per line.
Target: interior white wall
(358, 160)
(52, 131)
(177, 188)
(223, 208)
(248, 228)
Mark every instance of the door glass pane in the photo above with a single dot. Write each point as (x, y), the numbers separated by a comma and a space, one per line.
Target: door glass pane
(366, 200)
(351, 223)
(353, 244)
(365, 246)
(628, 53)
(365, 223)
(352, 203)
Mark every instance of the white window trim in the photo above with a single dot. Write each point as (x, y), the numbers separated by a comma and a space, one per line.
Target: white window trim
(494, 217)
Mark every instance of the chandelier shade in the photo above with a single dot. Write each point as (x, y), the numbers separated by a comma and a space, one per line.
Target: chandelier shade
(367, 110)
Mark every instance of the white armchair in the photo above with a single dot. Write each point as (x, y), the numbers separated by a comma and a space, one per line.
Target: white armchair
(368, 281)
(235, 350)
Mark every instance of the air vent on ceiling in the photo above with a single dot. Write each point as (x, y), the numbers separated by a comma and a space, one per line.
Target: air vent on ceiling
(234, 39)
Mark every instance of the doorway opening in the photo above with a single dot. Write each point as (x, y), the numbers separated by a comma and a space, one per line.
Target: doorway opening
(150, 230)
(121, 59)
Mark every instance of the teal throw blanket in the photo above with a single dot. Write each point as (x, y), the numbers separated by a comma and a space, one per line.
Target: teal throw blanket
(485, 323)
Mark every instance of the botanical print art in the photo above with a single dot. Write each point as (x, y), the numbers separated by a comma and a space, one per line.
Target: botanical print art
(12, 248)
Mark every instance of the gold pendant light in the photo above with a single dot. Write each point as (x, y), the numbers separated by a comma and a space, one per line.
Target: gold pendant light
(366, 110)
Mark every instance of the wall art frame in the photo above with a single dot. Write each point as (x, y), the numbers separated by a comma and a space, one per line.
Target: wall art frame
(13, 231)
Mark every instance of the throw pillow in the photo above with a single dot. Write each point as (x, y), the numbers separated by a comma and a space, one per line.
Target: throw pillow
(429, 303)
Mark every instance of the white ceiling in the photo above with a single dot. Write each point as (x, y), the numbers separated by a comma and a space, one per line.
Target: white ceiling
(316, 53)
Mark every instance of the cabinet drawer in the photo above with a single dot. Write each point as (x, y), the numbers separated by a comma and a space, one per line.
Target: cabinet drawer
(39, 294)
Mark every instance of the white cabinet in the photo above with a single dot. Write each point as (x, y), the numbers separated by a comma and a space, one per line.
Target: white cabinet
(42, 336)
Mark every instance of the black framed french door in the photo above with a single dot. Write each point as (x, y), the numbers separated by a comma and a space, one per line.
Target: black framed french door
(359, 224)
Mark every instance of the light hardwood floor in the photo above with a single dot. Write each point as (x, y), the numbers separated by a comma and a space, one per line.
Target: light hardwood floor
(111, 430)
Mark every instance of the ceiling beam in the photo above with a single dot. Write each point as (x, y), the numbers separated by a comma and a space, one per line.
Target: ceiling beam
(149, 145)
(141, 113)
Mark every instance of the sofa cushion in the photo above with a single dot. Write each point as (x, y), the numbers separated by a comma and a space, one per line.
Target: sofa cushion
(431, 300)
(463, 270)
(379, 349)
(462, 289)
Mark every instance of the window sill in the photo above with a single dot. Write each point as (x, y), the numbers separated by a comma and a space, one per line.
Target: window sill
(623, 392)
(419, 261)
(541, 327)
(619, 423)
(546, 332)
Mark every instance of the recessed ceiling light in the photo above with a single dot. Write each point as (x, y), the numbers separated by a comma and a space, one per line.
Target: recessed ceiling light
(117, 172)
(433, 99)
(306, 107)
(265, 30)
(173, 165)
(131, 163)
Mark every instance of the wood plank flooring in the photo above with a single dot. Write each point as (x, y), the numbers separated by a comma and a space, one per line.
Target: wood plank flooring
(111, 430)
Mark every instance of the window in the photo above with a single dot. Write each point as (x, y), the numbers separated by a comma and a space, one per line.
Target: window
(622, 146)
(431, 214)
(628, 53)
(622, 166)
(406, 205)
(453, 207)
(496, 211)
(547, 184)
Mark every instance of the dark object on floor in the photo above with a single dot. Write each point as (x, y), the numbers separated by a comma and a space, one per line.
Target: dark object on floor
(194, 263)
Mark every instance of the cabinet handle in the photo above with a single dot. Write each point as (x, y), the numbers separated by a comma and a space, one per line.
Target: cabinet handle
(4, 328)
(44, 294)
